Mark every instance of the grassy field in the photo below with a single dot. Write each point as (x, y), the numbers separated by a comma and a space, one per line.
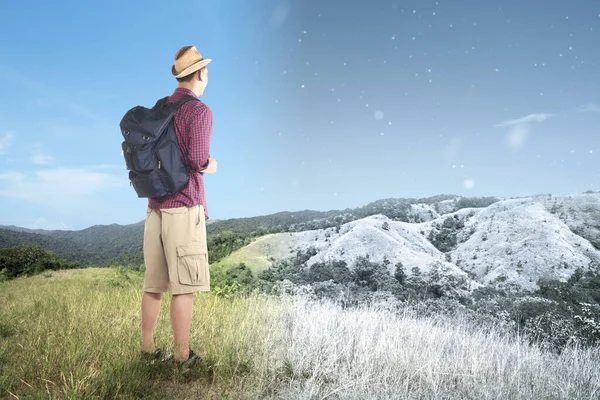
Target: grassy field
(256, 254)
(75, 335)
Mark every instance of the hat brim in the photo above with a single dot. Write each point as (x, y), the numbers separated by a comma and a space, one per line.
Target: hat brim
(192, 68)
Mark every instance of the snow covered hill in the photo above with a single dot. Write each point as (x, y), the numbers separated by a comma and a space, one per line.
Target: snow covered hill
(513, 242)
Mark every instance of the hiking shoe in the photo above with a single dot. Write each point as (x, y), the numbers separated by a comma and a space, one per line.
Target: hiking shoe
(185, 366)
(151, 358)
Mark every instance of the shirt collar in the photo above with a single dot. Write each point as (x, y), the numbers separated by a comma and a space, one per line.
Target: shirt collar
(184, 91)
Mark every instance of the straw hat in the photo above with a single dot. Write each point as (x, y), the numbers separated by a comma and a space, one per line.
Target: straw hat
(188, 60)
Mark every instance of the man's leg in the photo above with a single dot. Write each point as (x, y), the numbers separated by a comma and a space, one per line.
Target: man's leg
(184, 235)
(156, 277)
(150, 312)
(181, 320)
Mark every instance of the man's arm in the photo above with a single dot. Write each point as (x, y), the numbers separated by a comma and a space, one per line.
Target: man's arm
(199, 140)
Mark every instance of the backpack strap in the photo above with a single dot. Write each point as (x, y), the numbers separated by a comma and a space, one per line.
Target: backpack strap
(161, 103)
(173, 107)
(181, 101)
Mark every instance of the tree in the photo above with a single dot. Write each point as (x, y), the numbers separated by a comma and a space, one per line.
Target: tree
(370, 274)
(240, 274)
(28, 259)
(399, 273)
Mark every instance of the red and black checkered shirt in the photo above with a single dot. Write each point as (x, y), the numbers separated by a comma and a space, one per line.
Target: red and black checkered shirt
(193, 126)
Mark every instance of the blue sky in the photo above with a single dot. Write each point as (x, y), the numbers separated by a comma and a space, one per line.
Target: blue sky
(316, 105)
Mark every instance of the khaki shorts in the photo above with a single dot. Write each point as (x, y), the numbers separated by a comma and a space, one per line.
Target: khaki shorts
(175, 251)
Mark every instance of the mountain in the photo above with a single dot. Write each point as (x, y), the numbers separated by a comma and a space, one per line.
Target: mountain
(487, 241)
(106, 244)
(20, 229)
(97, 245)
(511, 243)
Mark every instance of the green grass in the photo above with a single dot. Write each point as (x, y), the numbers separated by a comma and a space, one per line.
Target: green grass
(256, 254)
(76, 335)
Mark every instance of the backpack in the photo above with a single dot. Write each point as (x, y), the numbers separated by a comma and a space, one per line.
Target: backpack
(151, 149)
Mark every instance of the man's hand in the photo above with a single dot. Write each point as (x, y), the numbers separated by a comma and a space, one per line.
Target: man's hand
(212, 167)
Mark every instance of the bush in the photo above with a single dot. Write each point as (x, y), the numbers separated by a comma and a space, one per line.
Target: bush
(444, 237)
(226, 242)
(29, 259)
(229, 290)
(371, 275)
(122, 277)
(335, 271)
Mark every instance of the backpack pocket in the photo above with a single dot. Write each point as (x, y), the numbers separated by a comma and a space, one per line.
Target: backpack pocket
(143, 158)
(192, 264)
(168, 154)
(150, 184)
(169, 159)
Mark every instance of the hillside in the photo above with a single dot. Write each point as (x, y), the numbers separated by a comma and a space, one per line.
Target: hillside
(97, 245)
(64, 248)
(511, 243)
(503, 243)
(106, 244)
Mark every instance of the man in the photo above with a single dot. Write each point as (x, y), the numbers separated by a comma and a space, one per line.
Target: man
(175, 246)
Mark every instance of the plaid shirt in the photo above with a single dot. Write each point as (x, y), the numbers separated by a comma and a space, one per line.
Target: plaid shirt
(193, 126)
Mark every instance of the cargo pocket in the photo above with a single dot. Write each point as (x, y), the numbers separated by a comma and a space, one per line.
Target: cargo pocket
(192, 264)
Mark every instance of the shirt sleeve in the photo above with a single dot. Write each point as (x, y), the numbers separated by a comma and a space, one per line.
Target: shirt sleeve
(199, 140)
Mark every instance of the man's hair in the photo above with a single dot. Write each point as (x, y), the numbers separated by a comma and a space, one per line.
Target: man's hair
(189, 77)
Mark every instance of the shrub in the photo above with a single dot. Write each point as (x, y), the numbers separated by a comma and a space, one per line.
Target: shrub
(444, 237)
(29, 259)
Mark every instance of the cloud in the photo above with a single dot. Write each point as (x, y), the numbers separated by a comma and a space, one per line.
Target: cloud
(39, 158)
(42, 223)
(586, 108)
(526, 119)
(59, 186)
(6, 141)
(10, 176)
(520, 129)
(78, 196)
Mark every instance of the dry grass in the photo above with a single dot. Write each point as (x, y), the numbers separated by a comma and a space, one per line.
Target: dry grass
(374, 353)
(76, 335)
